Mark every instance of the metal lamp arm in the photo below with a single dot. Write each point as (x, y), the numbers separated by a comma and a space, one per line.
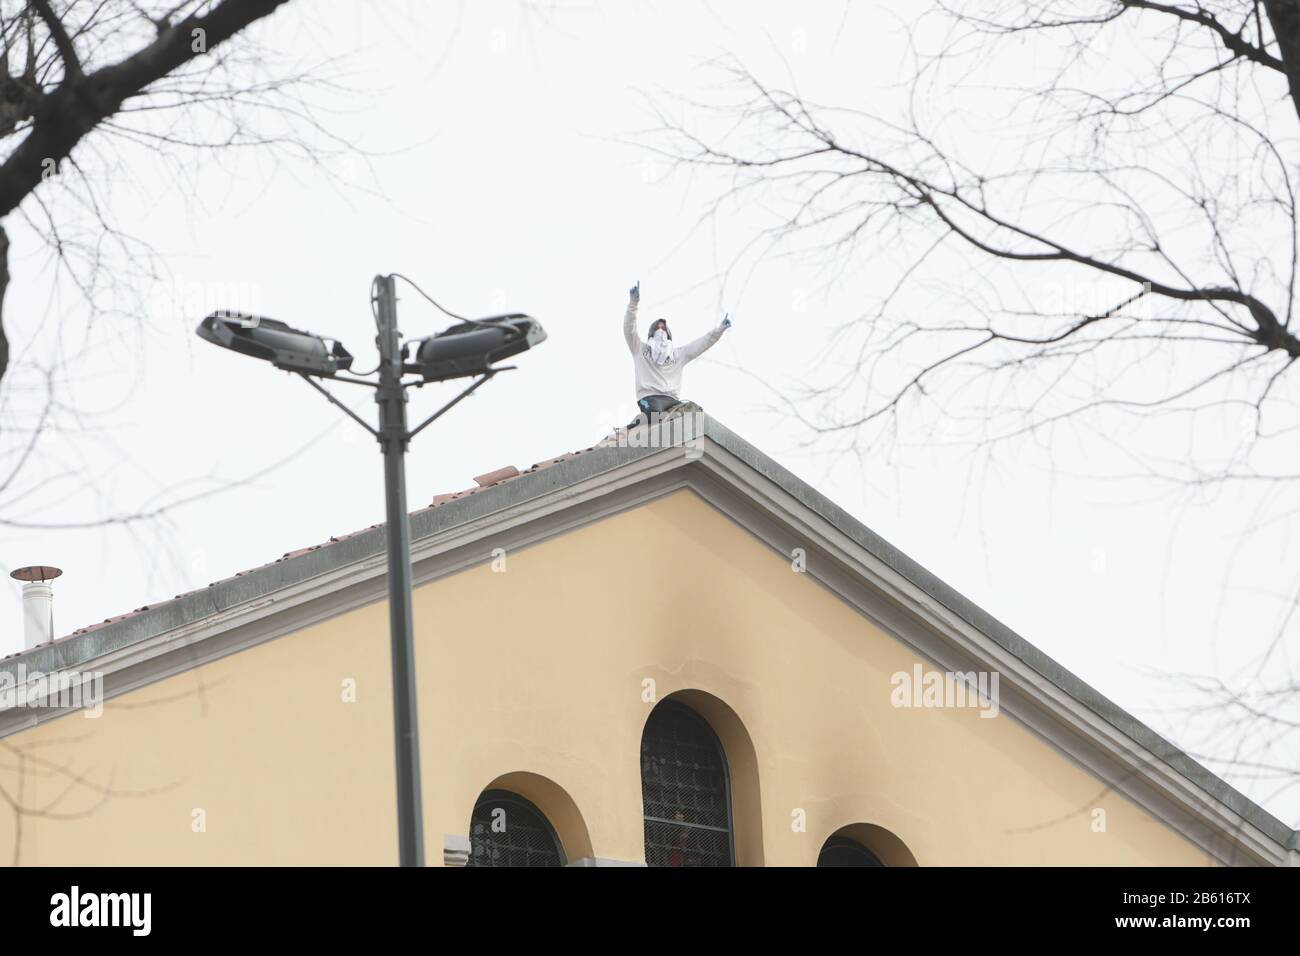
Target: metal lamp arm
(354, 381)
(350, 413)
(446, 408)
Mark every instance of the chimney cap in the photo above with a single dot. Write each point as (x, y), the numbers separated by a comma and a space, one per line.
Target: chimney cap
(37, 572)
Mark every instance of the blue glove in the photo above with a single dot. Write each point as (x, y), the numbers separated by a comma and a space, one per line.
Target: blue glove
(635, 291)
(726, 321)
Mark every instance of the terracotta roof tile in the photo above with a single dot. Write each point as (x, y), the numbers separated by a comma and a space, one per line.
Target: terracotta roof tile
(495, 477)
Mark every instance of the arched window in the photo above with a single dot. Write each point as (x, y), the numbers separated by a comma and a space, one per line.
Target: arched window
(841, 851)
(685, 790)
(507, 830)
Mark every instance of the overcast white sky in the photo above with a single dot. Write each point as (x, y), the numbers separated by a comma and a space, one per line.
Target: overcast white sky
(502, 149)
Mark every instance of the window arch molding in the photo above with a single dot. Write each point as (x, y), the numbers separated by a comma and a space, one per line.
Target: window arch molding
(845, 851)
(555, 802)
(882, 844)
(742, 764)
(507, 829)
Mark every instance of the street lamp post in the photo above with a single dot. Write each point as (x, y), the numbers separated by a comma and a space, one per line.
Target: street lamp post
(469, 349)
(393, 440)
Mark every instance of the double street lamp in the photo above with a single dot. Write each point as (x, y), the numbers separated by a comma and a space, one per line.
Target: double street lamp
(470, 349)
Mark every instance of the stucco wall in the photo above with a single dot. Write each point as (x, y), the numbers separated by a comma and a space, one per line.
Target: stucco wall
(541, 670)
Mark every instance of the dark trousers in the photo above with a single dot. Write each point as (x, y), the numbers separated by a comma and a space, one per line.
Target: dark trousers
(650, 405)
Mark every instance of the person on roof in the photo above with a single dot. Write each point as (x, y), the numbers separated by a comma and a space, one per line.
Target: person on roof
(657, 362)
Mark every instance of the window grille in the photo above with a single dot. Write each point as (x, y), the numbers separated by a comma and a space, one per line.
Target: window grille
(685, 791)
(507, 830)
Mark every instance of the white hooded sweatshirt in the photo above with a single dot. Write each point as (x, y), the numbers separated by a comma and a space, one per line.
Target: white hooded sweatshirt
(654, 378)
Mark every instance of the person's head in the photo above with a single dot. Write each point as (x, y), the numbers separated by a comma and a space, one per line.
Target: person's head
(659, 324)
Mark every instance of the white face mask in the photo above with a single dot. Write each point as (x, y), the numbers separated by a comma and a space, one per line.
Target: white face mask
(661, 348)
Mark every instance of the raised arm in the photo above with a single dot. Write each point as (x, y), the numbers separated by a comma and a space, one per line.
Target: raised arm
(693, 350)
(629, 319)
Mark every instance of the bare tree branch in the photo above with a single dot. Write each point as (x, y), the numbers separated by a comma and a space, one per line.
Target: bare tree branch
(1030, 158)
(56, 119)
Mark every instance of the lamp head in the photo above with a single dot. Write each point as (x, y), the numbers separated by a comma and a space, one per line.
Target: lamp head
(276, 342)
(472, 348)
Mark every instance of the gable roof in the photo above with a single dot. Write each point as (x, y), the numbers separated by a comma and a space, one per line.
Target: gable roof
(1076, 718)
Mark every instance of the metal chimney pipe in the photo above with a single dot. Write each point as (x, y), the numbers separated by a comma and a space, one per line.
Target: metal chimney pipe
(38, 603)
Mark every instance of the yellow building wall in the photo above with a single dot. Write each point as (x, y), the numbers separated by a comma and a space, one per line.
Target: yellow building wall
(542, 670)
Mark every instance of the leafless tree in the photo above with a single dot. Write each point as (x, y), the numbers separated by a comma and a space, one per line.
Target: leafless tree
(89, 91)
(1173, 196)
(115, 68)
(1082, 219)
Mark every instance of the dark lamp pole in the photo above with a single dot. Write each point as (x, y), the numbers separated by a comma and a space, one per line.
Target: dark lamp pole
(471, 348)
